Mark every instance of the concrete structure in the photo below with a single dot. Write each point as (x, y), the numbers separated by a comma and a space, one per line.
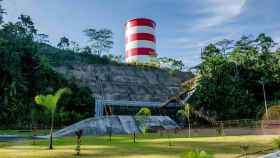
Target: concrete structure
(117, 125)
(140, 40)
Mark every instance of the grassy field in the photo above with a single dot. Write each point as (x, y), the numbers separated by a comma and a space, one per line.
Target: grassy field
(148, 146)
(24, 132)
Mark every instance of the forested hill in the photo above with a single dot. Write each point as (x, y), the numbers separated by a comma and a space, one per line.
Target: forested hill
(115, 81)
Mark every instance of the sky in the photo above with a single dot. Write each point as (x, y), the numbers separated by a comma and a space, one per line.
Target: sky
(184, 27)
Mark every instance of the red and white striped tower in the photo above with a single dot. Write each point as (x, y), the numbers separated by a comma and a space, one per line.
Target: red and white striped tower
(140, 41)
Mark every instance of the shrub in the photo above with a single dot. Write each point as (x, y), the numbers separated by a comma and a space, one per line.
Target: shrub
(276, 142)
(141, 116)
(220, 129)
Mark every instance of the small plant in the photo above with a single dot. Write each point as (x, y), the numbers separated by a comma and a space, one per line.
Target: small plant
(169, 140)
(196, 154)
(79, 134)
(245, 148)
(33, 136)
(220, 129)
(109, 129)
(185, 114)
(276, 142)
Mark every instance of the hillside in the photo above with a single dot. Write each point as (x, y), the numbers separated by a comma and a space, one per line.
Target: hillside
(124, 82)
(115, 81)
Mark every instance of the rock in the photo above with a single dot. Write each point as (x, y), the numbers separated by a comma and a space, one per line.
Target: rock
(272, 155)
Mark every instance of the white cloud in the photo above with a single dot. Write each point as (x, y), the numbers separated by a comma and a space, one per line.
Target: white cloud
(218, 12)
(211, 13)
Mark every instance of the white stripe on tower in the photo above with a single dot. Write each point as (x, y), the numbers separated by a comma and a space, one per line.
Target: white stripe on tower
(139, 29)
(142, 43)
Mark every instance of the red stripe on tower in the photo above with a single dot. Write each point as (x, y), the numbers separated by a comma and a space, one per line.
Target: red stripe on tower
(141, 22)
(140, 36)
(140, 40)
(140, 51)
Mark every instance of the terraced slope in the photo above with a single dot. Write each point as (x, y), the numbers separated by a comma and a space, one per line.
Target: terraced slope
(125, 82)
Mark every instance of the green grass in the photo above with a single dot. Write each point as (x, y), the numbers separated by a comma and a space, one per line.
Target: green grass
(148, 146)
(24, 132)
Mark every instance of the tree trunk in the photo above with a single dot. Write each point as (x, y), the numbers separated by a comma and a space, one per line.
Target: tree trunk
(51, 133)
(134, 137)
(189, 127)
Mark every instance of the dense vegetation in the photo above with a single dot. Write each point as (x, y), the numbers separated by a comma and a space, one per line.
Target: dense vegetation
(25, 73)
(232, 77)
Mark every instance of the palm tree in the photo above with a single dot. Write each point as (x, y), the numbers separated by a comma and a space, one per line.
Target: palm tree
(185, 114)
(50, 102)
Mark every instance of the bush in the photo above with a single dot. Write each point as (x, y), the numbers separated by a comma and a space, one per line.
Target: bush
(144, 112)
(276, 142)
(141, 116)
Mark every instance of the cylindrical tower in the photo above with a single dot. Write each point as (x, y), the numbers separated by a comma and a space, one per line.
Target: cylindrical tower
(140, 40)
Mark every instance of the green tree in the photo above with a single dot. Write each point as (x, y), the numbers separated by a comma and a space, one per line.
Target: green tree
(265, 42)
(230, 83)
(185, 114)
(245, 43)
(144, 112)
(63, 43)
(1, 12)
(42, 38)
(50, 101)
(75, 46)
(27, 23)
(86, 50)
(173, 64)
(26, 69)
(101, 40)
(225, 45)
(18, 62)
(141, 117)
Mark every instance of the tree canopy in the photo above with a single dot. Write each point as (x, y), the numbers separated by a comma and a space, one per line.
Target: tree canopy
(25, 72)
(230, 79)
(101, 40)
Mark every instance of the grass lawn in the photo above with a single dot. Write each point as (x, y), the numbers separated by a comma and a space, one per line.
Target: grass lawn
(24, 132)
(148, 146)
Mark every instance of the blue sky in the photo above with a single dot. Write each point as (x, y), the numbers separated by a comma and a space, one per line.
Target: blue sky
(183, 26)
